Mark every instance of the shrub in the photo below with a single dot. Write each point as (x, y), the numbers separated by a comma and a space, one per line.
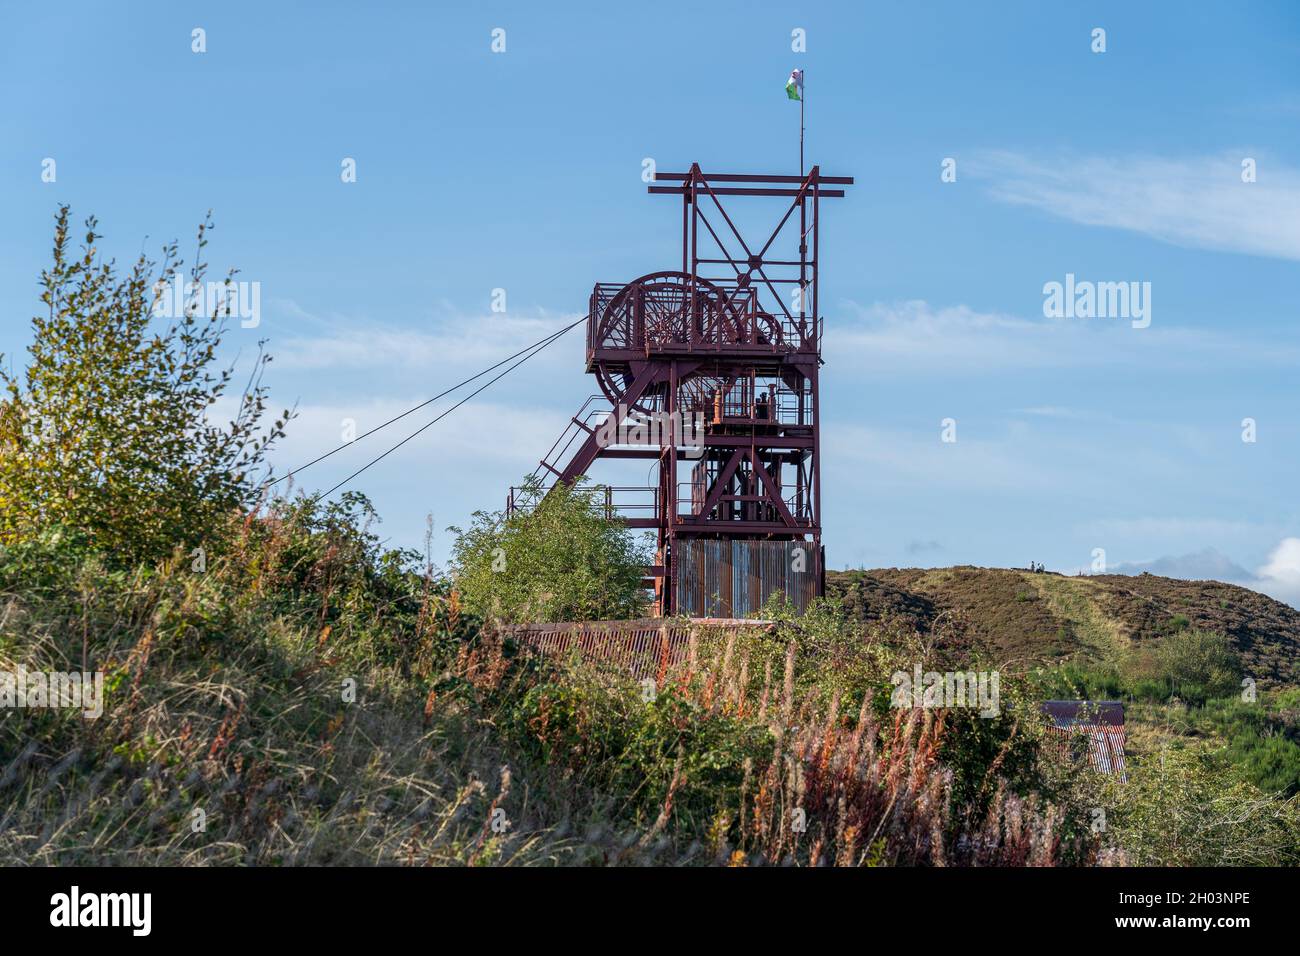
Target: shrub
(1196, 665)
(742, 764)
(840, 658)
(557, 558)
(1078, 681)
(1271, 763)
(1190, 808)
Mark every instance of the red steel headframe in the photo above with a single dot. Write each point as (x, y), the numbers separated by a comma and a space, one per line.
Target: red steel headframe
(712, 243)
(718, 343)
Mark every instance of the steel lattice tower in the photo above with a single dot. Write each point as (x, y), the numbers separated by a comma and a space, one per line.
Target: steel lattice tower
(730, 342)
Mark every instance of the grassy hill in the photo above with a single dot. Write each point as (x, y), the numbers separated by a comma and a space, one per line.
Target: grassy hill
(1043, 618)
(1115, 637)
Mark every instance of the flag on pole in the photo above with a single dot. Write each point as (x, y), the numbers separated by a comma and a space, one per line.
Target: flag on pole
(794, 85)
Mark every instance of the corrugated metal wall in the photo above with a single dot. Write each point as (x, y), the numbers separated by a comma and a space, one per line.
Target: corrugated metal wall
(735, 578)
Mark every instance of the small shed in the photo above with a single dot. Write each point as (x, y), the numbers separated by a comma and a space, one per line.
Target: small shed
(1097, 725)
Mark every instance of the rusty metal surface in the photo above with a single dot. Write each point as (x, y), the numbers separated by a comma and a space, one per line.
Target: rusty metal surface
(1097, 726)
(1066, 713)
(735, 577)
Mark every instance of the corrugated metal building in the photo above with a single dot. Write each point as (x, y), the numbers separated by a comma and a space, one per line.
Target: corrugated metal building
(1097, 726)
(734, 578)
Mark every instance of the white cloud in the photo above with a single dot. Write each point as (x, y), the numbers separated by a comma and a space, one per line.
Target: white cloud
(464, 463)
(1206, 565)
(903, 337)
(1279, 577)
(1055, 411)
(1200, 202)
(474, 341)
(938, 337)
(505, 438)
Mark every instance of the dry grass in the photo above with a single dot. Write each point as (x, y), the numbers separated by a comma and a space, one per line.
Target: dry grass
(231, 733)
(242, 766)
(279, 710)
(1076, 602)
(844, 789)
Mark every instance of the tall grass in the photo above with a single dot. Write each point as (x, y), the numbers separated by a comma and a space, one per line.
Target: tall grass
(726, 763)
(227, 736)
(305, 697)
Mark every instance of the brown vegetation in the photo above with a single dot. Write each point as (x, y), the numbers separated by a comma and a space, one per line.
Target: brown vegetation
(1020, 616)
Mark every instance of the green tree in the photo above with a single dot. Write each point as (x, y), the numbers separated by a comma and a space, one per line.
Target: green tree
(557, 558)
(109, 432)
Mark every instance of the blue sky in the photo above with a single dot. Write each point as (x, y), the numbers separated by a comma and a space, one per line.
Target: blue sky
(521, 170)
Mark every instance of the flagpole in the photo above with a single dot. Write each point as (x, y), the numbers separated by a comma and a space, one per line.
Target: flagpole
(804, 91)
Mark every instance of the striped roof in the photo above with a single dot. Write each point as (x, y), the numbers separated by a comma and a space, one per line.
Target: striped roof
(1099, 725)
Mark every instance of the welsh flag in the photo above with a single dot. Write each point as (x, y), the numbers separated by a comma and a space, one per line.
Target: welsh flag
(794, 85)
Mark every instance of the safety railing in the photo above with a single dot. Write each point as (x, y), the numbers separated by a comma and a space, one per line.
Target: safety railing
(752, 401)
(594, 410)
(647, 319)
(614, 501)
